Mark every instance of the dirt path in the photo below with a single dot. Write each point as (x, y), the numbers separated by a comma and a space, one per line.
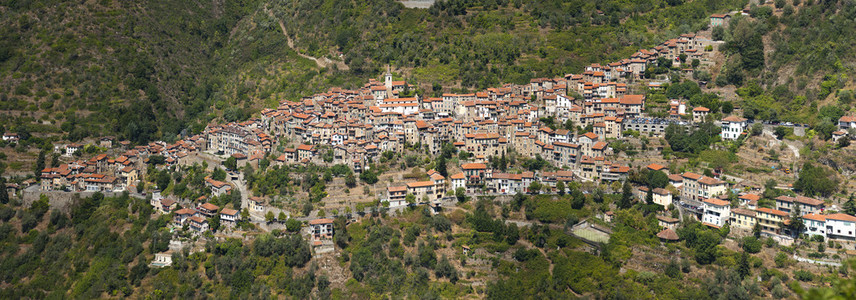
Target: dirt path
(321, 62)
(793, 148)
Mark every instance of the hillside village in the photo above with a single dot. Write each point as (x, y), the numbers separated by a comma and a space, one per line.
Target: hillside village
(357, 127)
(434, 159)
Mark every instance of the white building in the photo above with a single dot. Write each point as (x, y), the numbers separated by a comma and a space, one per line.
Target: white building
(321, 229)
(815, 224)
(229, 215)
(163, 259)
(716, 212)
(563, 103)
(732, 127)
(841, 226)
(71, 148)
(458, 181)
(846, 122)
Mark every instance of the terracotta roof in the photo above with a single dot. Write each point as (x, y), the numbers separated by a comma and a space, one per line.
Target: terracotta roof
(741, 211)
(321, 221)
(402, 188)
(710, 181)
(772, 211)
(847, 119)
(185, 211)
(458, 176)
(419, 184)
(841, 217)
(717, 202)
(656, 167)
(668, 234)
(733, 118)
(710, 225)
(210, 207)
(667, 219)
(815, 217)
(229, 211)
(473, 166)
(750, 197)
(661, 191)
(691, 175)
(800, 199)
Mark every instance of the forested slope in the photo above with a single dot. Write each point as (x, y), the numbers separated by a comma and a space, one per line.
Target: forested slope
(484, 43)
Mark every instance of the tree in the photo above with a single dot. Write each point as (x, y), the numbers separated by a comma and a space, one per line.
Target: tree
(163, 179)
(156, 160)
(743, 268)
(368, 176)
(727, 107)
(350, 180)
(461, 194)
(816, 180)
(849, 206)
(751, 244)
(40, 164)
(757, 129)
(410, 198)
(4, 196)
(560, 187)
(844, 142)
(578, 199)
(569, 125)
(281, 217)
(649, 196)
(756, 230)
(718, 33)
(534, 187)
(236, 198)
(780, 132)
(218, 174)
(796, 224)
(448, 150)
(269, 216)
(231, 163)
(825, 129)
(597, 195)
(657, 179)
(440, 166)
(292, 225)
(626, 195)
(214, 222)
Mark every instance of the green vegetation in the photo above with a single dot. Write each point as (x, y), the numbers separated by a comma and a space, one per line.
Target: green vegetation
(816, 180)
(154, 69)
(694, 142)
(483, 43)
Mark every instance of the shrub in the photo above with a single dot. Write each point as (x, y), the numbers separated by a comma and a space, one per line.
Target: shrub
(751, 244)
(803, 275)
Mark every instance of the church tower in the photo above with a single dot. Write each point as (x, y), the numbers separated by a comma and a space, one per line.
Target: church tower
(387, 79)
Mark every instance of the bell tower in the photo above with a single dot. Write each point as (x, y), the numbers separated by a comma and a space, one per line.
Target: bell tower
(387, 78)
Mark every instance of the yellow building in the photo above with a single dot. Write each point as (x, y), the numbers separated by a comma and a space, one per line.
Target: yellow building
(770, 219)
(743, 218)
